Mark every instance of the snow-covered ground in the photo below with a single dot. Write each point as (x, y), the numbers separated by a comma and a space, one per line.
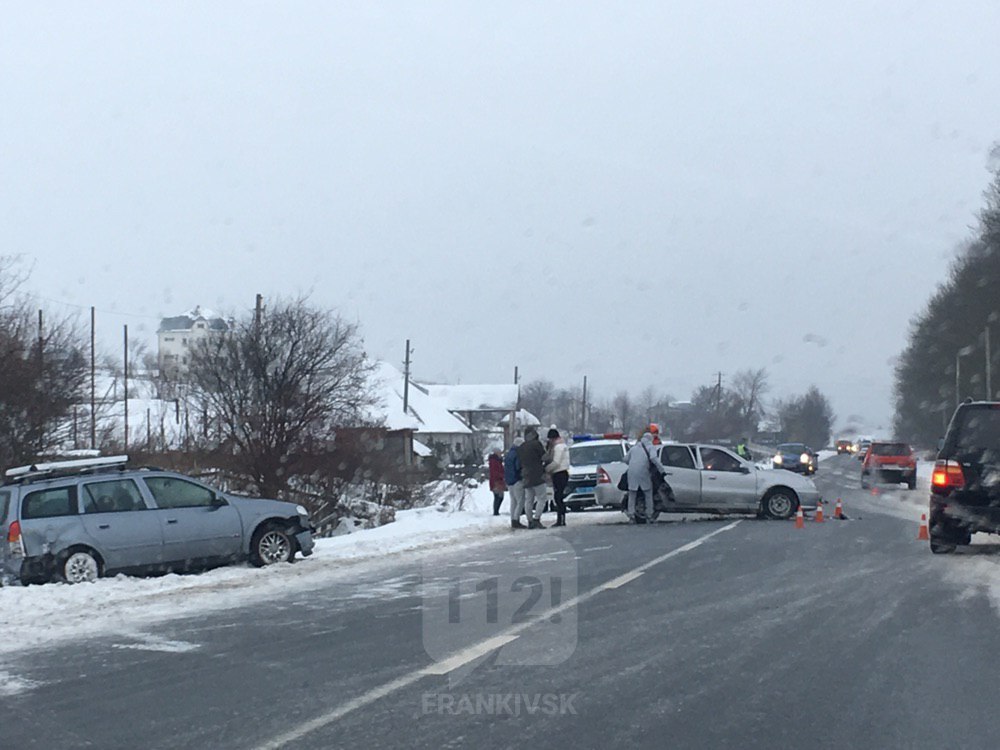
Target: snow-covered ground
(37, 616)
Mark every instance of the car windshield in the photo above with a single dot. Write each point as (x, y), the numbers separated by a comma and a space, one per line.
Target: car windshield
(587, 455)
(891, 449)
(796, 448)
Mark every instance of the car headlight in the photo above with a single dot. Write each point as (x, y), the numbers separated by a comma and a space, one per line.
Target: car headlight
(804, 458)
(302, 511)
(777, 459)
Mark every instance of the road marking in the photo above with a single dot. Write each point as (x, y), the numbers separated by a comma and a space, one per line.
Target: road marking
(472, 652)
(621, 580)
(597, 549)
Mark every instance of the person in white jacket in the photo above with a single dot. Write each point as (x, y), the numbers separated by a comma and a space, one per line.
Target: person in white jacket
(557, 467)
(642, 461)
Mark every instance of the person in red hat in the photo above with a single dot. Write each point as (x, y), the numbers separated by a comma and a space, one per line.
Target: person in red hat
(654, 430)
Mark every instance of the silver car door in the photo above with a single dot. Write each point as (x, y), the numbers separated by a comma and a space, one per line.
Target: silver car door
(727, 481)
(122, 526)
(681, 473)
(197, 522)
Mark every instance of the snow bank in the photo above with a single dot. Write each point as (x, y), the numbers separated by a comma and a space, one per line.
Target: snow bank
(40, 616)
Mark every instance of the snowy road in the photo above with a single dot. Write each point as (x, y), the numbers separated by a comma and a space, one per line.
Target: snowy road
(699, 634)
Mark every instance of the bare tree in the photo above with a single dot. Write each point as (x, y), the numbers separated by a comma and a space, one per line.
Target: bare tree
(538, 397)
(42, 376)
(277, 387)
(749, 387)
(624, 411)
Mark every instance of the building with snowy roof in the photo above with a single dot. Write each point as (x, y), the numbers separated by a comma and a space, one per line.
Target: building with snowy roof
(176, 335)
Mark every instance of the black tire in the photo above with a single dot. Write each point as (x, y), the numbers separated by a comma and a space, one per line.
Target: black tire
(271, 544)
(864, 481)
(941, 547)
(79, 565)
(912, 484)
(780, 503)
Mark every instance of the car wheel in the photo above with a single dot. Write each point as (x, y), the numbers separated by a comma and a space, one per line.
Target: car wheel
(941, 548)
(912, 484)
(270, 545)
(780, 503)
(79, 566)
(864, 481)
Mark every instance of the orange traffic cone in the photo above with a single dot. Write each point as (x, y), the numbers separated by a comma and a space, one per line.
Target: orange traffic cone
(819, 512)
(800, 520)
(922, 535)
(838, 512)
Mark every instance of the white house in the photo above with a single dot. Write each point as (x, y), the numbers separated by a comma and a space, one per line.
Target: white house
(428, 416)
(177, 335)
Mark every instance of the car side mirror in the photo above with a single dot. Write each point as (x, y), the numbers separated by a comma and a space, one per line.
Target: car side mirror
(744, 469)
(218, 501)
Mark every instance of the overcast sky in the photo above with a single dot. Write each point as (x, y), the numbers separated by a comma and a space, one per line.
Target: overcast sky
(645, 193)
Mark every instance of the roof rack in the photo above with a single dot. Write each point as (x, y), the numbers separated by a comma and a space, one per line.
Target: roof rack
(62, 468)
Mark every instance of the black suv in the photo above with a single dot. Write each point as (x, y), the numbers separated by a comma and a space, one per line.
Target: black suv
(965, 486)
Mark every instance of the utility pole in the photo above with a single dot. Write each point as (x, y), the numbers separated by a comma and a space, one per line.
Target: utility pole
(41, 383)
(93, 383)
(406, 379)
(583, 411)
(718, 393)
(258, 310)
(125, 382)
(989, 384)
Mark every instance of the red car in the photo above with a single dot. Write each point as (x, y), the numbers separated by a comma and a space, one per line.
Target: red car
(889, 462)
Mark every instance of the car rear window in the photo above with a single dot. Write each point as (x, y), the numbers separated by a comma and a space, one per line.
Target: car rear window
(55, 501)
(975, 430)
(891, 449)
(588, 455)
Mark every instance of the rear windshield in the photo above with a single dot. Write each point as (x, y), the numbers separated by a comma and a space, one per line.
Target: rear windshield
(588, 455)
(891, 449)
(975, 435)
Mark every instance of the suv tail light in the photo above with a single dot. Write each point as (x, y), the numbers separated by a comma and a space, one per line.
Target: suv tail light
(602, 476)
(947, 475)
(14, 539)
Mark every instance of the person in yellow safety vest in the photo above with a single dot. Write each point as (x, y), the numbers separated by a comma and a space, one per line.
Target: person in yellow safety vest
(742, 450)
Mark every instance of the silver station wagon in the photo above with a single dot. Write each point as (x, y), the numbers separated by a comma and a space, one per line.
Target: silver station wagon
(75, 521)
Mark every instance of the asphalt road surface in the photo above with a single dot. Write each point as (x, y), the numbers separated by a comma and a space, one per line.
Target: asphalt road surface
(722, 633)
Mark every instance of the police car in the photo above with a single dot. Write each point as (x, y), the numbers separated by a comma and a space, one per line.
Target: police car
(597, 462)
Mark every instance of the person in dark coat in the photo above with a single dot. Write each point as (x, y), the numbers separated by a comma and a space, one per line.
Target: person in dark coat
(531, 452)
(497, 485)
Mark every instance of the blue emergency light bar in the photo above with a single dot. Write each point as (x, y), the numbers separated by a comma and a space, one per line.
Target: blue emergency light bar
(599, 436)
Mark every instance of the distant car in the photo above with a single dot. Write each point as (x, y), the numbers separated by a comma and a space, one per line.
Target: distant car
(844, 446)
(795, 457)
(75, 521)
(861, 446)
(965, 485)
(597, 461)
(889, 462)
(711, 479)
